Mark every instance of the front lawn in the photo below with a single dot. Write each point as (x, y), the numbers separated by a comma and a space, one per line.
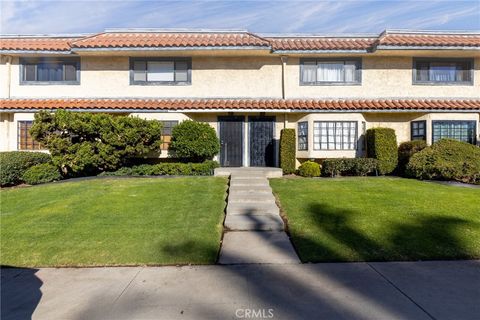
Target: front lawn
(380, 219)
(133, 221)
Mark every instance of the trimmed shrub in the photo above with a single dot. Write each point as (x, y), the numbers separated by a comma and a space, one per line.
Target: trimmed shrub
(194, 142)
(167, 168)
(287, 151)
(405, 151)
(447, 159)
(86, 143)
(349, 167)
(14, 164)
(42, 173)
(382, 145)
(309, 169)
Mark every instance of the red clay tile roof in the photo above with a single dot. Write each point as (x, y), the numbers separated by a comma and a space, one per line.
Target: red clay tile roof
(242, 104)
(321, 43)
(236, 39)
(427, 40)
(36, 44)
(160, 40)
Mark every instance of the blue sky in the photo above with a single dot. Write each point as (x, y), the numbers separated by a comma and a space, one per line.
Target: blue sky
(27, 17)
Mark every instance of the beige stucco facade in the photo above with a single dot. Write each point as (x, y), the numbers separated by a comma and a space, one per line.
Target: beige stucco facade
(238, 75)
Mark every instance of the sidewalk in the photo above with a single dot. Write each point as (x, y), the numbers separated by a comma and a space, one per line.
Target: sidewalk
(391, 290)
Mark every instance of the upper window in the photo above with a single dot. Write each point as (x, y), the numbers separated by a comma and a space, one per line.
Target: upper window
(326, 71)
(167, 133)
(442, 71)
(453, 129)
(24, 139)
(303, 135)
(167, 71)
(418, 130)
(335, 135)
(65, 70)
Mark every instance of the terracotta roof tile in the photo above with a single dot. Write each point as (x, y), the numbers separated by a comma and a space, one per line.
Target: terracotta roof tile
(160, 39)
(426, 40)
(241, 104)
(35, 44)
(321, 43)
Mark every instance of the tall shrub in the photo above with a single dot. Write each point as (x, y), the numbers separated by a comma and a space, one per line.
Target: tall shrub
(382, 145)
(86, 143)
(287, 150)
(194, 141)
(405, 151)
(13, 165)
(447, 159)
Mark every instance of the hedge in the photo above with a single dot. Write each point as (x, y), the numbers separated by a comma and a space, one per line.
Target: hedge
(405, 151)
(382, 145)
(42, 173)
(167, 168)
(349, 167)
(309, 169)
(14, 164)
(287, 151)
(194, 141)
(447, 160)
(83, 144)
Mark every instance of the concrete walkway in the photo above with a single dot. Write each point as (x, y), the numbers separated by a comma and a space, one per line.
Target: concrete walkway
(254, 229)
(395, 290)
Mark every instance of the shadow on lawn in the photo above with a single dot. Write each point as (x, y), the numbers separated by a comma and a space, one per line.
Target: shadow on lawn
(20, 292)
(423, 237)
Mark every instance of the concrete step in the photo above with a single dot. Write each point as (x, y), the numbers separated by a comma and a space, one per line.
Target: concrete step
(268, 222)
(247, 177)
(260, 171)
(252, 208)
(251, 183)
(257, 247)
(248, 190)
(242, 197)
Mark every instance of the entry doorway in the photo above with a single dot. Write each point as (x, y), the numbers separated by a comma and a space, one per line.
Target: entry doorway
(231, 140)
(261, 141)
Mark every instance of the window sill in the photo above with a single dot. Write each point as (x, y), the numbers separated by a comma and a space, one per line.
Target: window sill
(49, 83)
(160, 83)
(442, 83)
(326, 84)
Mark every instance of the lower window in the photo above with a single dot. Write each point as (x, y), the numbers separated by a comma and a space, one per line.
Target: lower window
(167, 133)
(303, 135)
(335, 135)
(458, 130)
(24, 139)
(418, 130)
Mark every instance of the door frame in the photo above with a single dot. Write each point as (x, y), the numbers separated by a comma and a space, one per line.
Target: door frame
(231, 118)
(273, 119)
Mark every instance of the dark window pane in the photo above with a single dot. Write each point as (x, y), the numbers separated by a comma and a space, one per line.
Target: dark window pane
(181, 71)
(70, 72)
(29, 72)
(303, 135)
(458, 130)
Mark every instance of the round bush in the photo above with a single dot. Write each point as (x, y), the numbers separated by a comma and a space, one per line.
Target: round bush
(406, 150)
(42, 173)
(309, 169)
(194, 141)
(14, 164)
(447, 160)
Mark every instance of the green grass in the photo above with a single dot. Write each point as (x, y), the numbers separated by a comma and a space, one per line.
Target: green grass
(380, 219)
(140, 221)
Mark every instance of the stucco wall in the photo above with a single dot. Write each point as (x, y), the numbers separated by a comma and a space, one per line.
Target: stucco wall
(211, 77)
(381, 77)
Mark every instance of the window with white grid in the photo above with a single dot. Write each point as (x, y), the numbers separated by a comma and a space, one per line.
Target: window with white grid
(335, 135)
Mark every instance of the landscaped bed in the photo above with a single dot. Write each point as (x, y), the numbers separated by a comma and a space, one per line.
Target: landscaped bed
(123, 221)
(380, 219)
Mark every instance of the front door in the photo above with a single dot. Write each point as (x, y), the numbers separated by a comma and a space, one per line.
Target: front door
(231, 141)
(262, 143)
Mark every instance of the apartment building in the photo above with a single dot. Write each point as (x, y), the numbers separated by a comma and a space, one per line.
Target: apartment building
(329, 88)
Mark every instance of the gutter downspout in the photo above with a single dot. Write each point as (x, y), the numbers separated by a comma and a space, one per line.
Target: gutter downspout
(284, 60)
(9, 74)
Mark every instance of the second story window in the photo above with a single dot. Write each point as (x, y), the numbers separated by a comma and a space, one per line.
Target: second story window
(158, 71)
(50, 70)
(442, 71)
(330, 72)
